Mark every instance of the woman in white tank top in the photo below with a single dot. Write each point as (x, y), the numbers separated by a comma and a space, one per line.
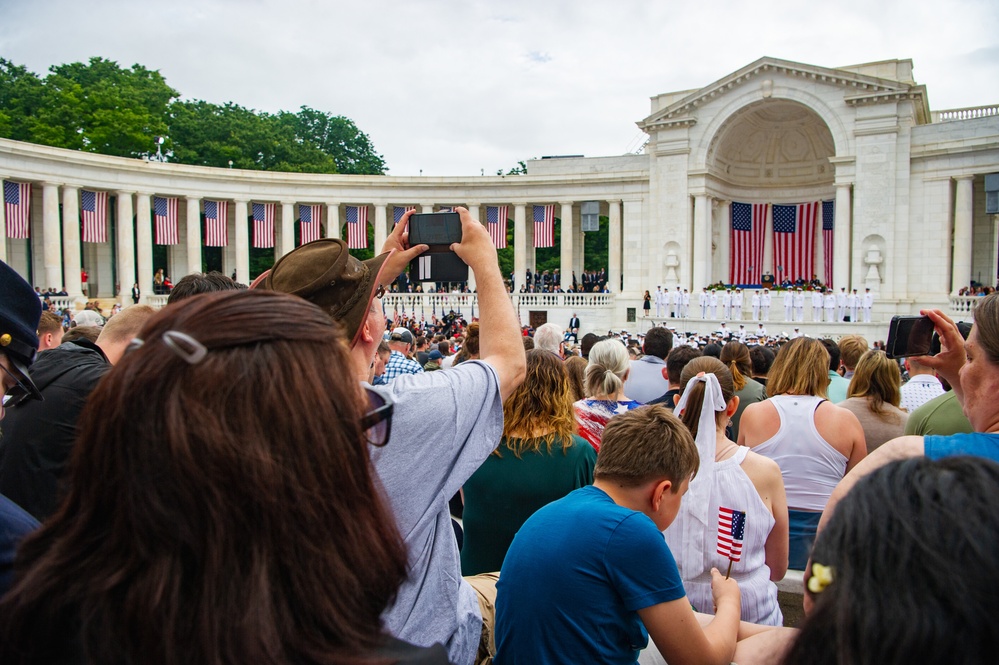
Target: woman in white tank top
(729, 478)
(813, 441)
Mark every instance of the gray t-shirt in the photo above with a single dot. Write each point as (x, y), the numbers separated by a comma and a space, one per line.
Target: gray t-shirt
(444, 425)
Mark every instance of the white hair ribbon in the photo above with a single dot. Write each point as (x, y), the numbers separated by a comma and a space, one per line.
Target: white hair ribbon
(688, 536)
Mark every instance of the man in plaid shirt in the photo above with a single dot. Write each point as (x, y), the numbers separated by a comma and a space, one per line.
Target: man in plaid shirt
(401, 343)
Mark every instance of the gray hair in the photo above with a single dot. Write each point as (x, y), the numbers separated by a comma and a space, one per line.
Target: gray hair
(548, 337)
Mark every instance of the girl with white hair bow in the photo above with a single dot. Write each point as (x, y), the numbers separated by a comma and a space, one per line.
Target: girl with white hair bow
(730, 480)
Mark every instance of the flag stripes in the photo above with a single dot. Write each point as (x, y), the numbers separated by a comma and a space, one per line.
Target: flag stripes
(828, 222)
(17, 202)
(94, 213)
(496, 221)
(357, 227)
(731, 531)
(749, 225)
(310, 223)
(794, 240)
(399, 211)
(165, 220)
(216, 227)
(263, 224)
(544, 226)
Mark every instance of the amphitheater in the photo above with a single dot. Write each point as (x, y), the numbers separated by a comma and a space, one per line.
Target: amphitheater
(906, 187)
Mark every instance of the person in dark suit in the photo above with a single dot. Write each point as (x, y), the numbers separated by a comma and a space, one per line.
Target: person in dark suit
(136, 293)
(573, 329)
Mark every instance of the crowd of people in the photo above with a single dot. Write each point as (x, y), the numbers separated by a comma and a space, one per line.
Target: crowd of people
(274, 474)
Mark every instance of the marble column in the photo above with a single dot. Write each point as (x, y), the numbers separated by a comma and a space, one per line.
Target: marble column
(52, 250)
(519, 245)
(724, 248)
(475, 210)
(381, 227)
(426, 207)
(818, 250)
(242, 242)
(144, 247)
(963, 235)
(71, 240)
(702, 243)
(842, 251)
(287, 242)
(193, 234)
(614, 246)
(567, 238)
(332, 220)
(126, 248)
(3, 223)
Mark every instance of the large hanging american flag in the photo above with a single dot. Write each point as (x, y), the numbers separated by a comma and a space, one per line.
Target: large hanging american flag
(94, 210)
(357, 227)
(749, 227)
(544, 226)
(399, 211)
(310, 217)
(794, 240)
(17, 200)
(263, 224)
(828, 218)
(216, 226)
(165, 220)
(496, 220)
(731, 531)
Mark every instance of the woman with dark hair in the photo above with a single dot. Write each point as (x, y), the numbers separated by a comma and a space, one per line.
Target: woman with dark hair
(538, 460)
(874, 396)
(647, 304)
(729, 477)
(913, 584)
(221, 506)
(735, 355)
(812, 440)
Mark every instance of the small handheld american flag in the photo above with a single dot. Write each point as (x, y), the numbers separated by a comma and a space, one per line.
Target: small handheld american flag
(731, 531)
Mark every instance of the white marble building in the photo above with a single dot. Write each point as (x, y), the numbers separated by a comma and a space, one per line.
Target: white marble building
(908, 185)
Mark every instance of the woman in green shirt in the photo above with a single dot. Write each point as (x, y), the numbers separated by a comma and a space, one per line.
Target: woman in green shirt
(538, 460)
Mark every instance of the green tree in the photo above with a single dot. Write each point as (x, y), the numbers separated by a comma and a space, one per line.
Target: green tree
(337, 137)
(519, 169)
(20, 97)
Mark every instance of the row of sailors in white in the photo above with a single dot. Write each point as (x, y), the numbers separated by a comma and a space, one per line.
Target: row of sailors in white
(731, 303)
(836, 306)
(674, 303)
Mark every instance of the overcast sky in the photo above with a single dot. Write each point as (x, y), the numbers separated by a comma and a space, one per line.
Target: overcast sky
(455, 86)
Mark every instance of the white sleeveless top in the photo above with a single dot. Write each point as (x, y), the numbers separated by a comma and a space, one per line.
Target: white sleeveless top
(731, 488)
(810, 465)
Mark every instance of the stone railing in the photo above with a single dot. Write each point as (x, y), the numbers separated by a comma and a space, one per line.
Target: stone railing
(157, 301)
(964, 304)
(968, 113)
(427, 304)
(61, 302)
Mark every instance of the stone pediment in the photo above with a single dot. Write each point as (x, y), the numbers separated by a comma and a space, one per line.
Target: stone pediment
(858, 89)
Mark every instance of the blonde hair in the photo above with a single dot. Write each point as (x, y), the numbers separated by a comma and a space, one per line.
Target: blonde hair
(851, 348)
(708, 365)
(877, 377)
(126, 324)
(644, 444)
(576, 366)
(543, 402)
(735, 355)
(608, 363)
(800, 368)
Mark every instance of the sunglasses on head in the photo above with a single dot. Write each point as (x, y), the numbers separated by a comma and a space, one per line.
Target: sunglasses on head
(377, 422)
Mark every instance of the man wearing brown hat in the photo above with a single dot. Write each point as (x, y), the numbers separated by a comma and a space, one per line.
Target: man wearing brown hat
(428, 459)
(20, 311)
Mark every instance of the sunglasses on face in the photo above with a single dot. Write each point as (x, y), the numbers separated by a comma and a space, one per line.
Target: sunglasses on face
(16, 393)
(377, 422)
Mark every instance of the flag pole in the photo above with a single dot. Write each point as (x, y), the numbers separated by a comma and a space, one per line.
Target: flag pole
(729, 571)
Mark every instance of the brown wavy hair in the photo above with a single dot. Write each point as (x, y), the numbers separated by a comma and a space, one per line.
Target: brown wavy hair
(543, 402)
(223, 511)
(735, 355)
(876, 377)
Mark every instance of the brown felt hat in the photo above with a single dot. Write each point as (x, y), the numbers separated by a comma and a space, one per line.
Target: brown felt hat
(324, 273)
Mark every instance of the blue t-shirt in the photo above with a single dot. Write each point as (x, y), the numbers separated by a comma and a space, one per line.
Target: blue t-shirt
(979, 444)
(15, 524)
(573, 580)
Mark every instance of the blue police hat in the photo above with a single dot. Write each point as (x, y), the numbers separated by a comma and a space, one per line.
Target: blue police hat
(20, 310)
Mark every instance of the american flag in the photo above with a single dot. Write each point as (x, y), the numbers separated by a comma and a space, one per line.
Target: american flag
(731, 531)
(828, 217)
(357, 227)
(165, 219)
(445, 209)
(399, 211)
(263, 224)
(94, 209)
(496, 220)
(17, 199)
(749, 224)
(310, 217)
(544, 226)
(794, 239)
(216, 226)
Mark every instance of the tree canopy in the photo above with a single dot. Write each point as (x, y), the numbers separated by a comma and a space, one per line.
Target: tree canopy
(104, 108)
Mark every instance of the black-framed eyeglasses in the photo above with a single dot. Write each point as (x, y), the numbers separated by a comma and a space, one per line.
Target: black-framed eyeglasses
(380, 291)
(377, 422)
(16, 393)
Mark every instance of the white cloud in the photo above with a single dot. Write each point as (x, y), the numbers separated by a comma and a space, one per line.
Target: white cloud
(454, 87)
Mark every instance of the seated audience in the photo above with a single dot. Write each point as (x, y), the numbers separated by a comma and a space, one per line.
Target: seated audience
(874, 398)
(604, 384)
(242, 525)
(538, 461)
